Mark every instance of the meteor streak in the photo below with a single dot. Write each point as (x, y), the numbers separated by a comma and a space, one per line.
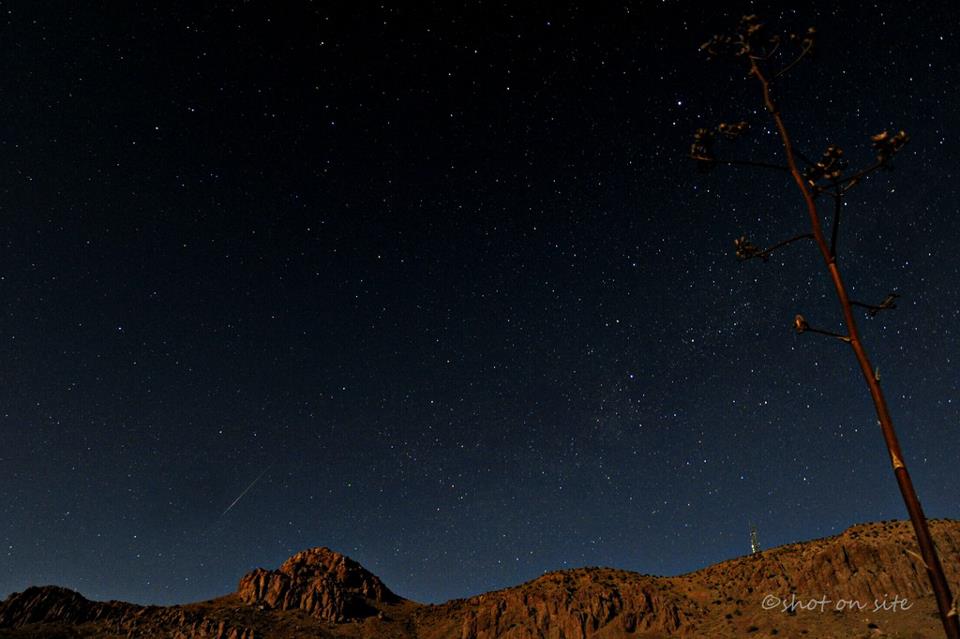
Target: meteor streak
(245, 490)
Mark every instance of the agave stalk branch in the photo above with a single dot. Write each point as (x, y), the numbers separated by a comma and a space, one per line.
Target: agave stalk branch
(941, 588)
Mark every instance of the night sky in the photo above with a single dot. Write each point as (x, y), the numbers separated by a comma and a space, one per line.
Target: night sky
(439, 288)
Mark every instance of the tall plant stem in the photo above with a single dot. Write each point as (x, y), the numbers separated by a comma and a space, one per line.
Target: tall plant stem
(941, 588)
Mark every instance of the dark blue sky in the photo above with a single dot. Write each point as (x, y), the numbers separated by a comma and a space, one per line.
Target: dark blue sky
(445, 281)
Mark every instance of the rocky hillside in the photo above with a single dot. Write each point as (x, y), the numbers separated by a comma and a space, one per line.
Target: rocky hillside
(865, 582)
(58, 612)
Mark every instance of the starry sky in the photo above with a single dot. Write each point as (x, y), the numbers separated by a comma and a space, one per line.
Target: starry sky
(439, 288)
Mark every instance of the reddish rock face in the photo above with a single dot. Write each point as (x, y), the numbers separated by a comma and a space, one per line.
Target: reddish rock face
(319, 581)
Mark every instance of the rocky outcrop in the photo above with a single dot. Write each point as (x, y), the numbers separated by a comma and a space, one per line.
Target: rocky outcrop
(321, 582)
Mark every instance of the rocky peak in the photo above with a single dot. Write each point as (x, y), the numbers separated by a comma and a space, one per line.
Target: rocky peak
(324, 583)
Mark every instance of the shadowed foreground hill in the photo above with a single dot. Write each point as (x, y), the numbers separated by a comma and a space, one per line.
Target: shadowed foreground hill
(865, 582)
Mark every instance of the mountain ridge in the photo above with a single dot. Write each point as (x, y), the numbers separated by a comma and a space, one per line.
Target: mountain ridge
(799, 589)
